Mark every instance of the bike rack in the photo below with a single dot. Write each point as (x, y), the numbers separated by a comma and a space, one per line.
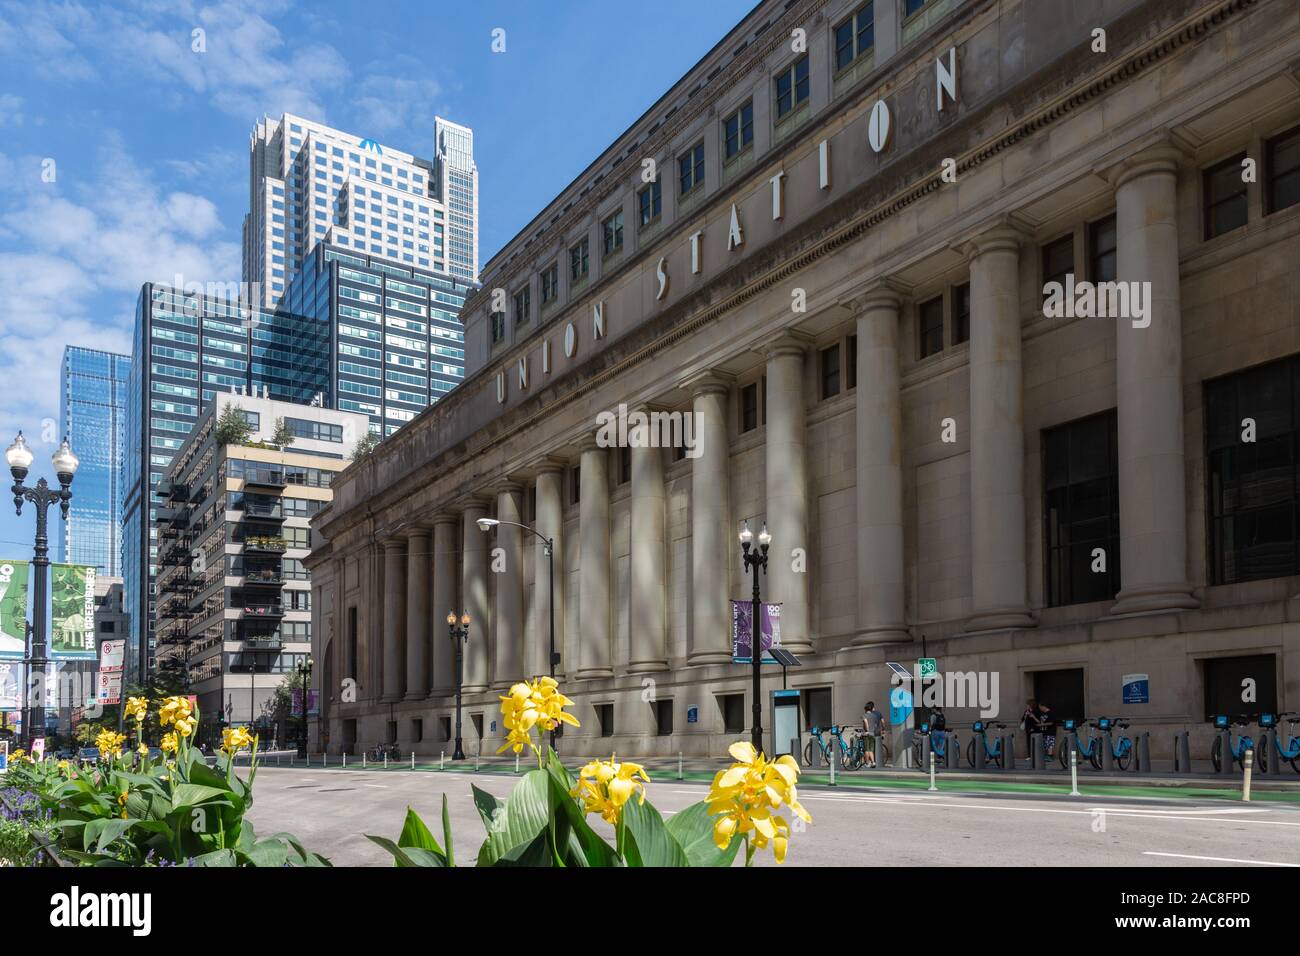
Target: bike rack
(978, 749)
(1225, 752)
(1182, 753)
(1107, 745)
(952, 750)
(1142, 752)
(1009, 751)
(1037, 755)
(1269, 747)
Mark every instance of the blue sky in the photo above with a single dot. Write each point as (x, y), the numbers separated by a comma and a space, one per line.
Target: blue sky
(149, 139)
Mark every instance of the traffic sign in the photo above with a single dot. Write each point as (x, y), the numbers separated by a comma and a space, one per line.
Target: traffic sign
(929, 666)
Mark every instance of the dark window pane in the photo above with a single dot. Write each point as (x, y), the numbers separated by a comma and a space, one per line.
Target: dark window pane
(961, 313)
(1283, 159)
(930, 327)
(749, 407)
(1225, 197)
(1101, 250)
(1081, 510)
(830, 359)
(851, 366)
(1058, 260)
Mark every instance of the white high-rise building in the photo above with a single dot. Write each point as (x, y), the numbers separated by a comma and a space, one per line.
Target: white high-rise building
(310, 183)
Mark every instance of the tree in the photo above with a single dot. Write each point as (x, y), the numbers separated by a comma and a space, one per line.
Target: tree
(365, 445)
(283, 434)
(232, 426)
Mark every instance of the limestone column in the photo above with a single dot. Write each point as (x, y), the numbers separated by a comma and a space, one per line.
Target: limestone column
(509, 587)
(649, 612)
(417, 614)
(997, 454)
(474, 591)
(1149, 390)
(394, 618)
(444, 601)
(882, 616)
(549, 602)
(713, 542)
(593, 574)
(787, 488)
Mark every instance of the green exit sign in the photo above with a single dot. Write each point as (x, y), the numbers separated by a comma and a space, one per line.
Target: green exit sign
(929, 666)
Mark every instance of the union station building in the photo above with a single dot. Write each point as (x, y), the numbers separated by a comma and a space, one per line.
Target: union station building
(827, 246)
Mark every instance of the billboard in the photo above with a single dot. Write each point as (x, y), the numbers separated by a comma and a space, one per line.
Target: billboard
(741, 613)
(72, 617)
(13, 609)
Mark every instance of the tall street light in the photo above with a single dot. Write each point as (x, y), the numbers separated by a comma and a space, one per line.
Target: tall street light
(548, 548)
(755, 559)
(304, 677)
(19, 456)
(459, 638)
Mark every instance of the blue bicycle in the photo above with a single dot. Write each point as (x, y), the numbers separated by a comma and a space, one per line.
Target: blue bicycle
(992, 752)
(924, 741)
(852, 754)
(1238, 748)
(1090, 747)
(1289, 751)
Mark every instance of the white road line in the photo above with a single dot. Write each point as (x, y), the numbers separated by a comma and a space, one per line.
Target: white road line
(377, 786)
(1217, 859)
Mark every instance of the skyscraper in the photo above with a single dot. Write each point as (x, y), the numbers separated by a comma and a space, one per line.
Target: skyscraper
(310, 183)
(92, 413)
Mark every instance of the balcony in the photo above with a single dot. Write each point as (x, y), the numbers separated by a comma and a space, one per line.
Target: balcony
(265, 544)
(262, 643)
(269, 577)
(263, 610)
(265, 478)
(262, 512)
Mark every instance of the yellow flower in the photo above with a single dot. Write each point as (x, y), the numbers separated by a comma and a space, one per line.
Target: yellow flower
(605, 785)
(536, 703)
(184, 726)
(137, 707)
(174, 709)
(143, 749)
(743, 799)
(109, 743)
(234, 740)
(169, 743)
(62, 765)
(550, 703)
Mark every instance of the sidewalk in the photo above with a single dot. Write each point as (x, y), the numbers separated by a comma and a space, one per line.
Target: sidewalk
(1200, 785)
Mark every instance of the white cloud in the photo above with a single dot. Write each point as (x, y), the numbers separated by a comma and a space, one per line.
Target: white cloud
(11, 110)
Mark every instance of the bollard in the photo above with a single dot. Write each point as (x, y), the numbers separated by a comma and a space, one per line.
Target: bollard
(308, 755)
(1247, 762)
(1074, 772)
(1008, 751)
(1142, 753)
(277, 760)
(1037, 756)
(412, 759)
(478, 749)
(442, 760)
(679, 765)
(345, 760)
(1225, 752)
(516, 763)
(834, 743)
(932, 784)
(363, 760)
(385, 759)
(1182, 753)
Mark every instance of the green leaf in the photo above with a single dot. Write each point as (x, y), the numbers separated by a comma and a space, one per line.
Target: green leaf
(104, 832)
(536, 854)
(406, 856)
(648, 841)
(216, 858)
(692, 828)
(416, 834)
(269, 852)
(188, 794)
(578, 843)
(526, 813)
(446, 833)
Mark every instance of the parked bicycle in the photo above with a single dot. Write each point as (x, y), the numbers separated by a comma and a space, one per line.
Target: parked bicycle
(382, 750)
(1238, 748)
(923, 741)
(823, 739)
(992, 752)
(1288, 751)
(1090, 746)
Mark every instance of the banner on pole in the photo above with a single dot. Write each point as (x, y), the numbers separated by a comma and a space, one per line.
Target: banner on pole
(770, 629)
(13, 609)
(72, 603)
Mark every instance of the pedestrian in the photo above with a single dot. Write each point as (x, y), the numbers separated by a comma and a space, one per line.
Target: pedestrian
(872, 724)
(1029, 724)
(1047, 727)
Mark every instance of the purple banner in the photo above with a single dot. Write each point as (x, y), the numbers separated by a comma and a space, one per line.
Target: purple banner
(770, 629)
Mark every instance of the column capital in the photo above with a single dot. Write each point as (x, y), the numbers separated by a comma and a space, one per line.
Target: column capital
(707, 381)
(786, 342)
(507, 485)
(396, 542)
(589, 442)
(418, 531)
(1007, 234)
(548, 465)
(443, 517)
(878, 293)
(471, 502)
(1161, 152)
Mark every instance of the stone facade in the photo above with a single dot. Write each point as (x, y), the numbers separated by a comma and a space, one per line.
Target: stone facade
(903, 483)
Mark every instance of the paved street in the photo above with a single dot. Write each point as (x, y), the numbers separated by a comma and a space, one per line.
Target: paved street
(331, 809)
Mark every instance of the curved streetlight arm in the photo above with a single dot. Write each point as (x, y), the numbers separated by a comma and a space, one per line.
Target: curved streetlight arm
(515, 524)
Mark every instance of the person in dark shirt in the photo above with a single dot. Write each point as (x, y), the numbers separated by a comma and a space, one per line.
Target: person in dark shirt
(872, 724)
(1029, 724)
(1047, 727)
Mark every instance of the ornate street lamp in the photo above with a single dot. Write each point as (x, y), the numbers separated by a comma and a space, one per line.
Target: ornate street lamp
(459, 638)
(755, 559)
(304, 678)
(548, 548)
(19, 456)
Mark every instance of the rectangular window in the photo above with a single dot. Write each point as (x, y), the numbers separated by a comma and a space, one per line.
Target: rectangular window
(911, 6)
(578, 262)
(523, 304)
(738, 130)
(830, 370)
(733, 713)
(575, 485)
(650, 202)
(929, 327)
(498, 327)
(1225, 196)
(749, 407)
(612, 234)
(690, 169)
(855, 36)
(550, 283)
(1282, 166)
(1058, 260)
(624, 465)
(663, 712)
(851, 362)
(961, 313)
(791, 86)
(1081, 510)
(605, 718)
(316, 431)
(1102, 243)
(1252, 485)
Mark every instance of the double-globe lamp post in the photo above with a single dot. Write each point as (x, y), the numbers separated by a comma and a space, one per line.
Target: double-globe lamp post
(548, 548)
(756, 558)
(19, 456)
(459, 638)
(304, 678)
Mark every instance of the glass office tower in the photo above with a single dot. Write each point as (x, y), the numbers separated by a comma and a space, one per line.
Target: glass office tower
(457, 175)
(92, 414)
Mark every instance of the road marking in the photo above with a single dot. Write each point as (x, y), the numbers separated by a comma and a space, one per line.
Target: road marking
(1217, 859)
(376, 786)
